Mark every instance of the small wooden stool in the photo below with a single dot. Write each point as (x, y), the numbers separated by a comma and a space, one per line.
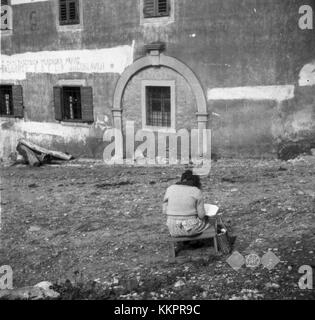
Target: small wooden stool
(207, 234)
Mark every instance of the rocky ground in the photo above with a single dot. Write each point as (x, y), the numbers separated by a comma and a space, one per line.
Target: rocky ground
(97, 232)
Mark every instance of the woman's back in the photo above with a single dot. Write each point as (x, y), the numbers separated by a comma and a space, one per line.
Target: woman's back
(182, 200)
(184, 206)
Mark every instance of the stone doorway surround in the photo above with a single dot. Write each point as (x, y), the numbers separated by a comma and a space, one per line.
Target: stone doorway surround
(156, 58)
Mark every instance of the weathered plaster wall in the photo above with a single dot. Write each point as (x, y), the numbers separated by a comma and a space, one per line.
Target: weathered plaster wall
(243, 127)
(296, 117)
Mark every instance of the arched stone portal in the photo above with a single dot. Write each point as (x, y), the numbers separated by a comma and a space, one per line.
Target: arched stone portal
(156, 59)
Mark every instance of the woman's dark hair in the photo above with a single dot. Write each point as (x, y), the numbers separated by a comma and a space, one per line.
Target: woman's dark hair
(189, 179)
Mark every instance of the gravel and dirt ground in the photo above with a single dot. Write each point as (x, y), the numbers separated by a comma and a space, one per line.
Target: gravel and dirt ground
(97, 232)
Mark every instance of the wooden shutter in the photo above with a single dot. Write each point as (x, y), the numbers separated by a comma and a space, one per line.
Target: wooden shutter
(74, 11)
(17, 101)
(63, 16)
(149, 8)
(163, 8)
(87, 104)
(58, 103)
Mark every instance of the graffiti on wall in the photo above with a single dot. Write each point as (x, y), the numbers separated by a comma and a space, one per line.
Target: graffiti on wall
(110, 60)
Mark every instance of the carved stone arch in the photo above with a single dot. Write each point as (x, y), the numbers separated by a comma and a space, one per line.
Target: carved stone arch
(154, 60)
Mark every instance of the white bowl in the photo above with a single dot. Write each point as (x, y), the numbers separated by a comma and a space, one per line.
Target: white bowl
(211, 210)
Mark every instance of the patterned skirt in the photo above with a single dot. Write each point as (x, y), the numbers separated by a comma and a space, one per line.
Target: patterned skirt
(186, 226)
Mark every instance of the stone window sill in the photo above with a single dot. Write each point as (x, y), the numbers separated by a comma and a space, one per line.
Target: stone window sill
(159, 129)
(70, 28)
(157, 21)
(75, 123)
(4, 116)
(6, 33)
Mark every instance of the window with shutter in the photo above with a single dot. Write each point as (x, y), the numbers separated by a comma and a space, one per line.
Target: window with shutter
(69, 12)
(73, 104)
(11, 101)
(6, 101)
(156, 8)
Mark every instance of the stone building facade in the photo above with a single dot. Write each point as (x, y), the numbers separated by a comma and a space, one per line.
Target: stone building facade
(70, 69)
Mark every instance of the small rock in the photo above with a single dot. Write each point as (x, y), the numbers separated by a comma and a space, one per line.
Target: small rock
(270, 285)
(34, 229)
(179, 283)
(33, 185)
(310, 193)
(234, 190)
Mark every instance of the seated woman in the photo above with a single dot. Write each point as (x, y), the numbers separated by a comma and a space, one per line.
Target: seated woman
(184, 206)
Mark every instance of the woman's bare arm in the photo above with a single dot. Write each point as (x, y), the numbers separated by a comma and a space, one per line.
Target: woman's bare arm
(164, 207)
(165, 201)
(201, 208)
